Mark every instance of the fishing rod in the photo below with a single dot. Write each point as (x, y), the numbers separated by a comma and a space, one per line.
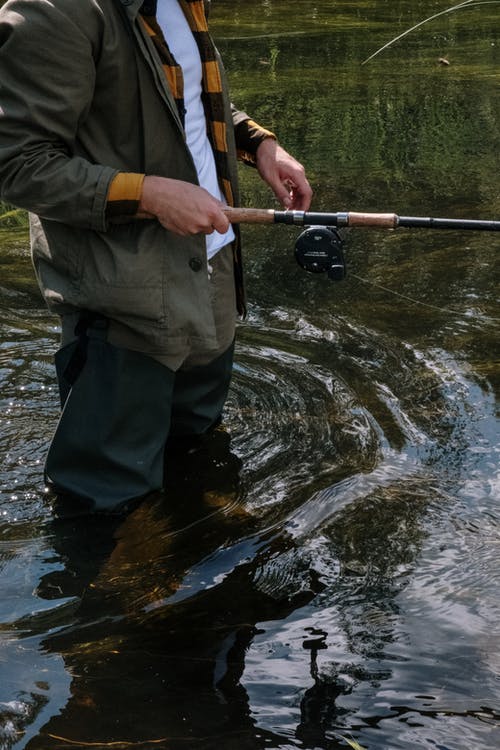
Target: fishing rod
(353, 219)
(320, 246)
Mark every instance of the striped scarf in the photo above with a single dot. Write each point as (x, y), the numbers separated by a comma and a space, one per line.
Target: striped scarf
(212, 98)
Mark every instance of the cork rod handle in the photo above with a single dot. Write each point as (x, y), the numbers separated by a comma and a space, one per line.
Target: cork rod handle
(249, 215)
(356, 219)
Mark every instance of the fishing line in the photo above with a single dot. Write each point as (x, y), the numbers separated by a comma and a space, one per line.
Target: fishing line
(449, 311)
(319, 247)
(466, 4)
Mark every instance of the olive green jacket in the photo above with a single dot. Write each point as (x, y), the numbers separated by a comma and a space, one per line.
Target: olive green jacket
(82, 97)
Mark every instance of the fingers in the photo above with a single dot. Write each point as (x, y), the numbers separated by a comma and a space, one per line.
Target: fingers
(284, 175)
(181, 207)
(293, 196)
(301, 196)
(282, 192)
(299, 191)
(296, 195)
(195, 225)
(220, 223)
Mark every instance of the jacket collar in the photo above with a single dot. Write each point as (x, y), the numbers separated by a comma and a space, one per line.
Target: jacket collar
(131, 7)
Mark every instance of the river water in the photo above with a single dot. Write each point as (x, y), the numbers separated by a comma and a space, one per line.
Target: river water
(326, 572)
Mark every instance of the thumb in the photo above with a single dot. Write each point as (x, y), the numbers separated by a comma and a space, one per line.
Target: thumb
(282, 193)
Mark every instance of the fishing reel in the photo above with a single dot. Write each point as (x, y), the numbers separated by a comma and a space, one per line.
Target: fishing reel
(319, 249)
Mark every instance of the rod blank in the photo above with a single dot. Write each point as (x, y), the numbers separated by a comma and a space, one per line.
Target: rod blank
(353, 219)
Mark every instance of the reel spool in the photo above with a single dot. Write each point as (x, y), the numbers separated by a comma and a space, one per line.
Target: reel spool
(319, 250)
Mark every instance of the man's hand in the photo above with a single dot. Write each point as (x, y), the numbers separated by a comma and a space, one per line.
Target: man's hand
(181, 207)
(284, 175)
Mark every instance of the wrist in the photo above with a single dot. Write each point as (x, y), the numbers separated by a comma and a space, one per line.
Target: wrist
(268, 145)
(152, 187)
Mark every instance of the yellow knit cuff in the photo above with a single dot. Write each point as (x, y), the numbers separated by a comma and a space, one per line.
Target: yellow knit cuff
(124, 194)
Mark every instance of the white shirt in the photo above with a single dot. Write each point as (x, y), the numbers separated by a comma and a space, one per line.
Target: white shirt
(183, 47)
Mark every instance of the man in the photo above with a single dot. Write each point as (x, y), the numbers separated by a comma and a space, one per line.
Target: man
(117, 134)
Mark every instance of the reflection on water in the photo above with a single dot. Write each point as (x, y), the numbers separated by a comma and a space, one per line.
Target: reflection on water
(327, 572)
(324, 570)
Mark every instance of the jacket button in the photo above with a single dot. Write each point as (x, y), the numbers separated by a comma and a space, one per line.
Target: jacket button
(196, 264)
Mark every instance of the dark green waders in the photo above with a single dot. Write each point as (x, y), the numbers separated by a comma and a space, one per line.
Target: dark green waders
(108, 447)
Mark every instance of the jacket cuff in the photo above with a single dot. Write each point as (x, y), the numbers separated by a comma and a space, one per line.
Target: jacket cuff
(249, 135)
(124, 195)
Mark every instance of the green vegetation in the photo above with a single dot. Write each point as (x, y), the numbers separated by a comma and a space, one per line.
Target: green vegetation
(12, 217)
(414, 130)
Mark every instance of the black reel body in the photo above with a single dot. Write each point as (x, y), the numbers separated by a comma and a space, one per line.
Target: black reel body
(319, 249)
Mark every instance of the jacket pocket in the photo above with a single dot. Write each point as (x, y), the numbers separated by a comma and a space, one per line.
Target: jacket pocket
(123, 272)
